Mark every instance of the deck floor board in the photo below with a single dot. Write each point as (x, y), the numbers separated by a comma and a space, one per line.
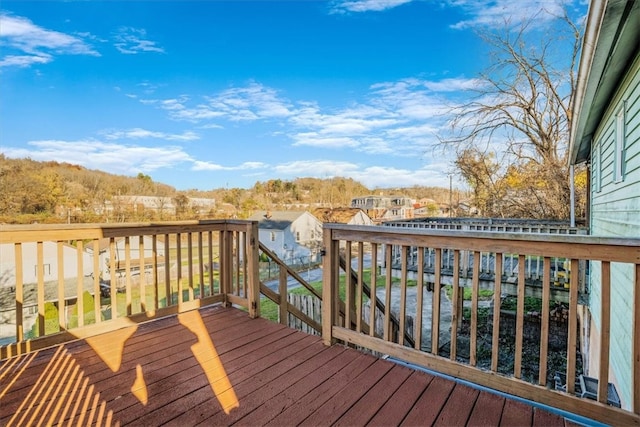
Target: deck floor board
(215, 366)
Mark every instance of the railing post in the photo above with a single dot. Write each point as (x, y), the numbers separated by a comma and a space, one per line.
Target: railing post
(282, 290)
(330, 282)
(252, 270)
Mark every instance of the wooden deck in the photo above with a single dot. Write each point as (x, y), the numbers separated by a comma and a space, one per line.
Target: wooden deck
(216, 366)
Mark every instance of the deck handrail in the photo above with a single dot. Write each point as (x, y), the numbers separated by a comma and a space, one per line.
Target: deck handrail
(144, 270)
(574, 248)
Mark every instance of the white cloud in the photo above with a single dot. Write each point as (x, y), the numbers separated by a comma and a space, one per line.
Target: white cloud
(208, 166)
(131, 41)
(399, 118)
(343, 6)
(250, 103)
(138, 133)
(109, 157)
(315, 168)
(314, 139)
(481, 13)
(371, 176)
(385, 177)
(497, 13)
(30, 44)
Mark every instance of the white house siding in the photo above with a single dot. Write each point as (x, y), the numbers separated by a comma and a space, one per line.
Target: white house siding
(615, 211)
(134, 252)
(306, 232)
(297, 236)
(50, 261)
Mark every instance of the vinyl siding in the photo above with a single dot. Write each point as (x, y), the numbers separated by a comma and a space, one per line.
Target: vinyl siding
(615, 211)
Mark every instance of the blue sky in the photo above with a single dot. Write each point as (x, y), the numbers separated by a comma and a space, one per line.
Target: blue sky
(210, 94)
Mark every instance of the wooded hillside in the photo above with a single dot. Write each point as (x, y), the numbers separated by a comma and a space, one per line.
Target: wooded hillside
(52, 192)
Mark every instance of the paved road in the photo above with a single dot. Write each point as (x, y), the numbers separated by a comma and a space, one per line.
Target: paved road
(313, 275)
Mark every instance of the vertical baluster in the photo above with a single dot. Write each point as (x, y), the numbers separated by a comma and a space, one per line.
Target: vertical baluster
(233, 264)
(544, 328)
(374, 285)
(154, 270)
(282, 290)
(605, 316)
(456, 313)
(179, 269)
(245, 265)
(517, 368)
(572, 333)
(127, 269)
(359, 287)
(40, 279)
(435, 301)
(167, 272)
(497, 300)
(143, 275)
(403, 294)
(97, 300)
(62, 324)
(419, 301)
(200, 266)
(237, 266)
(348, 282)
(190, 264)
(387, 296)
(475, 285)
(210, 262)
(80, 282)
(113, 278)
(19, 292)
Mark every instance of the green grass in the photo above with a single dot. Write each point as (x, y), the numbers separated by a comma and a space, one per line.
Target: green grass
(483, 294)
(269, 309)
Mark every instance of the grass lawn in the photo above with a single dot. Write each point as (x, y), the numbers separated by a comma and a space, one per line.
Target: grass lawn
(269, 309)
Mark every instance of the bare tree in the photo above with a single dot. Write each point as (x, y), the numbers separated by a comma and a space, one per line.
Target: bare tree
(519, 117)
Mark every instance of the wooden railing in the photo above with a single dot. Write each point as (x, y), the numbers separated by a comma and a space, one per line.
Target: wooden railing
(285, 308)
(462, 358)
(279, 297)
(74, 281)
(66, 282)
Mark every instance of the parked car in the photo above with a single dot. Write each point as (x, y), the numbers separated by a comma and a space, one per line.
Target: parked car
(105, 289)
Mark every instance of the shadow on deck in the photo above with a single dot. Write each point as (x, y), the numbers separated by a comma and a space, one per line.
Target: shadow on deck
(216, 366)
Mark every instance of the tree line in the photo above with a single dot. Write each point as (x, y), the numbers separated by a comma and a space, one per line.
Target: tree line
(53, 192)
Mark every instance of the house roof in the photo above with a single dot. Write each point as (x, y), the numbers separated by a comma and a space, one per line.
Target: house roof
(339, 215)
(610, 45)
(275, 220)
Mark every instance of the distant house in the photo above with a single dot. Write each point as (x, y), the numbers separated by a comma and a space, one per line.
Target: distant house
(51, 270)
(350, 216)
(384, 208)
(425, 207)
(606, 135)
(294, 236)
